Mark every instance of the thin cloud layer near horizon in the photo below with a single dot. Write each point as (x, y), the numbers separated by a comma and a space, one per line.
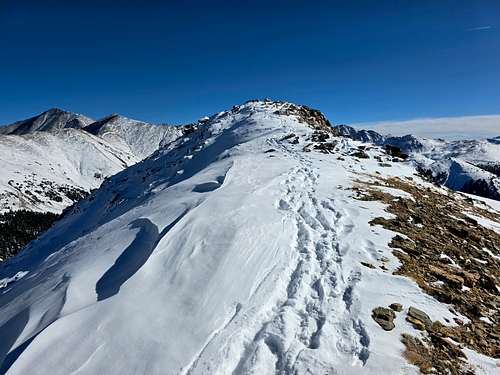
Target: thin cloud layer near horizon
(451, 128)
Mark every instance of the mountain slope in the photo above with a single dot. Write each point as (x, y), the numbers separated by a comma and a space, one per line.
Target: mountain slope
(470, 166)
(137, 137)
(53, 119)
(240, 248)
(40, 170)
(49, 162)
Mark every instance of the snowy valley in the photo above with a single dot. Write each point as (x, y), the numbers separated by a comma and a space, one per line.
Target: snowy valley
(261, 240)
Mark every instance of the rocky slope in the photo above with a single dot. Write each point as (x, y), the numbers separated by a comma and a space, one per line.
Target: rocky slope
(261, 242)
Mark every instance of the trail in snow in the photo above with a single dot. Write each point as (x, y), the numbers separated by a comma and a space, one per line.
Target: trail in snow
(319, 298)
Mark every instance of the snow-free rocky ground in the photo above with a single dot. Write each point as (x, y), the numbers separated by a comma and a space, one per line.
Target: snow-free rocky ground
(236, 249)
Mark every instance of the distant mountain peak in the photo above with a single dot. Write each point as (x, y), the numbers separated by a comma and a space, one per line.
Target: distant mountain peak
(50, 120)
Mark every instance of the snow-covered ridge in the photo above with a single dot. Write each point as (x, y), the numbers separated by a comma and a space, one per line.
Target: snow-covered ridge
(238, 248)
(138, 137)
(35, 165)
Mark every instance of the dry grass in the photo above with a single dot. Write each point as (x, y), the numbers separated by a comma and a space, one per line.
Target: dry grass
(435, 224)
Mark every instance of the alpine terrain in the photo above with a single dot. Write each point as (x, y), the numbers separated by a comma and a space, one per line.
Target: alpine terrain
(54, 159)
(261, 240)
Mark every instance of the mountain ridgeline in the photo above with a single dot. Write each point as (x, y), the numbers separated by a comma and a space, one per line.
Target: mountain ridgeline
(61, 156)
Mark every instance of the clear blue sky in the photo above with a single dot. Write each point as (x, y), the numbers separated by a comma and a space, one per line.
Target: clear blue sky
(164, 61)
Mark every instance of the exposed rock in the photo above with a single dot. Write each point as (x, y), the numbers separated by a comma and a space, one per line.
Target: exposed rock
(360, 154)
(305, 114)
(396, 307)
(420, 316)
(442, 274)
(395, 151)
(326, 147)
(288, 136)
(366, 264)
(384, 317)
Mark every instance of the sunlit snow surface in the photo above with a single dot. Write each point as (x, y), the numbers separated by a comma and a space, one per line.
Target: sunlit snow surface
(246, 262)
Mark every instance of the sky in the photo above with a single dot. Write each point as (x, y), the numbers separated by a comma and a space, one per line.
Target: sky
(176, 61)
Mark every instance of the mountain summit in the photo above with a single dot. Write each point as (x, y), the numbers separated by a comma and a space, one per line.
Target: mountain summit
(53, 119)
(258, 242)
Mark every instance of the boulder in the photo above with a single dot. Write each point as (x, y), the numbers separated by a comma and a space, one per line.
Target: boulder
(419, 318)
(384, 317)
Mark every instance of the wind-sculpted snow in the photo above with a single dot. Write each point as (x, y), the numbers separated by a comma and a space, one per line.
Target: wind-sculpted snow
(132, 258)
(13, 328)
(231, 250)
(10, 331)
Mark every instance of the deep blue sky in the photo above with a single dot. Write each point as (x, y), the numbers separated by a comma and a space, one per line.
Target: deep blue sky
(164, 61)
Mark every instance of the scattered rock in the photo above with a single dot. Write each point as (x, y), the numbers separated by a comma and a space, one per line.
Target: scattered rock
(419, 318)
(384, 317)
(448, 248)
(366, 264)
(396, 307)
(360, 154)
(434, 355)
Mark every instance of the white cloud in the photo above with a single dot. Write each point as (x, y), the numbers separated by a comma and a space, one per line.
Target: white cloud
(479, 28)
(467, 127)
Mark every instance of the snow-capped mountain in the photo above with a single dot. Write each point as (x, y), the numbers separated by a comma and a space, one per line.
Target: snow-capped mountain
(53, 119)
(471, 166)
(41, 170)
(52, 160)
(259, 243)
(136, 137)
